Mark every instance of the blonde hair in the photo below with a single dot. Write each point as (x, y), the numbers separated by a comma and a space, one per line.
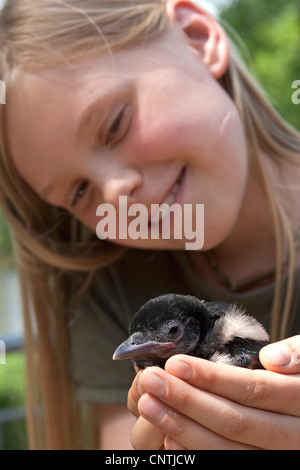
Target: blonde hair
(51, 247)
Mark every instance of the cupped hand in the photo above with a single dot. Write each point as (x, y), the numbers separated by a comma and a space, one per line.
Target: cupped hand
(196, 404)
(144, 436)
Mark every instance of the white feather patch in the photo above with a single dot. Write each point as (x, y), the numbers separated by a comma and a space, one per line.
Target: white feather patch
(222, 358)
(237, 324)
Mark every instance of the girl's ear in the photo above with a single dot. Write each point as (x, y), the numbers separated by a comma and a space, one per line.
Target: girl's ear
(203, 33)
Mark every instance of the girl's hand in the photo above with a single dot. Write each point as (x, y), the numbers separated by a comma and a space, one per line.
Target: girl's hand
(201, 405)
(144, 435)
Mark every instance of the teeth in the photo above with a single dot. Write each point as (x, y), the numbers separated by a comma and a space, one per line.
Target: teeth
(170, 198)
(172, 195)
(175, 188)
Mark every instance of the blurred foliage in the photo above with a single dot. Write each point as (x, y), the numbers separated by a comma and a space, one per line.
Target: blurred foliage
(271, 33)
(5, 239)
(12, 380)
(12, 394)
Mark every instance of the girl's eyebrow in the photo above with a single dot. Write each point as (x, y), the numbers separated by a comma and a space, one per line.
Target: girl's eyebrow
(91, 121)
(93, 116)
(47, 191)
(96, 112)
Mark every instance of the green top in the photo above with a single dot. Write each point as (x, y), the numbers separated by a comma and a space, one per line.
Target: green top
(99, 322)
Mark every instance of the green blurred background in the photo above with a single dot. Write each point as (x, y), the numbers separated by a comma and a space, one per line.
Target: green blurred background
(270, 31)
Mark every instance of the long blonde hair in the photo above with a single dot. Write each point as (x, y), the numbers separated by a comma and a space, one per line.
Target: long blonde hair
(52, 249)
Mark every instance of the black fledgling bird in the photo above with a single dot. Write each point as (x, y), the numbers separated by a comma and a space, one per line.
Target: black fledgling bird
(177, 324)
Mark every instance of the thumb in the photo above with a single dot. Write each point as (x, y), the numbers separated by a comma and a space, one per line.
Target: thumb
(283, 356)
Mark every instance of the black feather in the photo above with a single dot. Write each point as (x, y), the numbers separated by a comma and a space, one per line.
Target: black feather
(176, 324)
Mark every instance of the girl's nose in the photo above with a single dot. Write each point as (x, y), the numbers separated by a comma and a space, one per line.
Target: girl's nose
(124, 182)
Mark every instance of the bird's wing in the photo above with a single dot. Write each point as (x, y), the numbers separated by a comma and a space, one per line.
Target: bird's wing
(245, 352)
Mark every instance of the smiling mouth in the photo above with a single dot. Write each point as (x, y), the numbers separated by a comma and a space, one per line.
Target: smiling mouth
(171, 196)
(163, 208)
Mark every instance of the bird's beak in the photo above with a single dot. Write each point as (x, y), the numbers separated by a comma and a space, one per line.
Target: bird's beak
(130, 350)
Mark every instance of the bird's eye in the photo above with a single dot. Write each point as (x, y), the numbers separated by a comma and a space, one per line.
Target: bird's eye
(173, 330)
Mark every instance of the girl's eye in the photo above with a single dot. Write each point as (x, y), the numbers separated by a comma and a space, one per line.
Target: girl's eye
(80, 192)
(112, 135)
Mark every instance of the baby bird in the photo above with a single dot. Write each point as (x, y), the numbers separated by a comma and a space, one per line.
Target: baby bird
(177, 324)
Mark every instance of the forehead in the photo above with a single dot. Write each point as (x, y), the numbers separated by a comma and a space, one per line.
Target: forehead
(45, 106)
(44, 110)
(41, 101)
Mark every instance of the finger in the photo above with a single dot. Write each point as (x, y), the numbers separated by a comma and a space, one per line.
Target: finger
(282, 357)
(254, 388)
(133, 396)
(221, 416)
(170, 444)
(184, 432)
(145, 436)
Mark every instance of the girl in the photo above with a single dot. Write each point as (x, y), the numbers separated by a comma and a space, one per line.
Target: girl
(147, 100)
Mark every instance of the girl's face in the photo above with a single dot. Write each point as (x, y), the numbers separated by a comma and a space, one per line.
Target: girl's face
(150, 123)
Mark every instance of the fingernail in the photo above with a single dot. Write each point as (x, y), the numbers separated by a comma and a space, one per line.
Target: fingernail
(138, 385)
(152, 383)
(181, 369)
(152, 409)
(278, 354)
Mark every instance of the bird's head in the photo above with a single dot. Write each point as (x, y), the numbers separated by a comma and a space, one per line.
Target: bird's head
(167, 325)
